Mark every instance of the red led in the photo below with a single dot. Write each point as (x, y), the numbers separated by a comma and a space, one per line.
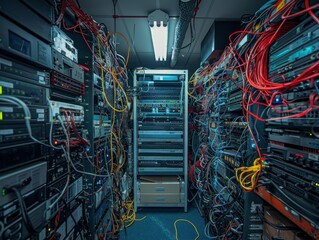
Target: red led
(56, 142)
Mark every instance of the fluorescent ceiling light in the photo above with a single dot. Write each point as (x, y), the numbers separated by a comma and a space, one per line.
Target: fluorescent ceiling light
(158, 22)
(159, 39)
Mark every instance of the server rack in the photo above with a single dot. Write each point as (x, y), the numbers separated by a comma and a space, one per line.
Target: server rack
(97, 121)
(160, 136)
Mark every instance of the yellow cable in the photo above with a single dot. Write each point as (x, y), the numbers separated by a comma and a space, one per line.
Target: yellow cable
(122, 117)
(191, 80)
(185, 220)
(129, 216)
(115, 80)
(189, 94)
(247, 176)
(140, 219)
(111, 135)
(120, 86)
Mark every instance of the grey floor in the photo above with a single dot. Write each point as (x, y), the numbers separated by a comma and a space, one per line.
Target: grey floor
(159, 225)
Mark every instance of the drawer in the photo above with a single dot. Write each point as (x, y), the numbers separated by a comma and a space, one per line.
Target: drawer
(160, 185)
(164, 198)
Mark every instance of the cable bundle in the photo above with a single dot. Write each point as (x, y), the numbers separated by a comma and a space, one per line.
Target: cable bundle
(248, 176)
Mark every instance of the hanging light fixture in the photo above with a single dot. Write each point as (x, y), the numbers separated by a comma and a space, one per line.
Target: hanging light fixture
(158, 22)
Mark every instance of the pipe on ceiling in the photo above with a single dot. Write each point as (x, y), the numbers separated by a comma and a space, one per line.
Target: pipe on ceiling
(186, 12)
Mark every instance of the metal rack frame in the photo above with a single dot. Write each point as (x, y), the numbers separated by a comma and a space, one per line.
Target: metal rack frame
(183, 202)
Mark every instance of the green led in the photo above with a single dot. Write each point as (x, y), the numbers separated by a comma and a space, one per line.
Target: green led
(3, 192)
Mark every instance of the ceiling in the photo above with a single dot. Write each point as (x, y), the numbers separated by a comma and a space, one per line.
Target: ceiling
(135, 28)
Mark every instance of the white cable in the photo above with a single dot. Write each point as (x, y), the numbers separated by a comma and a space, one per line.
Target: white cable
(68, 153)
(27, 114)
(51, 125)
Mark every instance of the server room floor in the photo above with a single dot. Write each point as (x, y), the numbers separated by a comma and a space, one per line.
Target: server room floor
(159, 225)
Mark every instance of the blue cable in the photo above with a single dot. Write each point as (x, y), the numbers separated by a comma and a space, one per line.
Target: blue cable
(316, 86)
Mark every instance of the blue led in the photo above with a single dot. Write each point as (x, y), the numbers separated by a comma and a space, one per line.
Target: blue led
(88, 149)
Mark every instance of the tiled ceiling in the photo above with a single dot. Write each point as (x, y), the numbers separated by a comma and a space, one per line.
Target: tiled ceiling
(136, 29)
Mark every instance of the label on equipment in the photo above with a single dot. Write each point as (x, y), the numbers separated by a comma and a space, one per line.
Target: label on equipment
(6, 84)
(6, 109)
(40, 110)
(41, 77)
(6, 131)
(41, 74)
(40, 115)
(313, 156)
(41, 80)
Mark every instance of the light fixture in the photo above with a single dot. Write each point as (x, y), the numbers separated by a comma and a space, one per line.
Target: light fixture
(158, 22)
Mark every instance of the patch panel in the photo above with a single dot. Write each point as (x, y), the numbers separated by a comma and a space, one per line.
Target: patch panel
(63, 109)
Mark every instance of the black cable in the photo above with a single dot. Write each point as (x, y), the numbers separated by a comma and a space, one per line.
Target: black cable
(246, 18)
(192, 36)
(71, 214)
(25, 216)
(231, 202)
(81, 235)
(224, 211)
